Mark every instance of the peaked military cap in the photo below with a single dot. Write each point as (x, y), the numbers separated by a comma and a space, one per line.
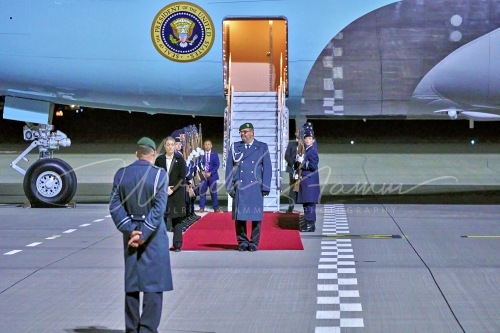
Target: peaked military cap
(246, 126)
(145, 141)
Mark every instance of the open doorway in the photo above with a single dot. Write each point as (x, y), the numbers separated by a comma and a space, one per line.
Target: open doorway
(255, 53)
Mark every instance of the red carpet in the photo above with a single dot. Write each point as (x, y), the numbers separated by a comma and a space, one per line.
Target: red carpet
(215, 231)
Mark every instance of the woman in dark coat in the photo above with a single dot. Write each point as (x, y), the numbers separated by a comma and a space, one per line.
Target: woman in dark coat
(176, 205)
(309, 191)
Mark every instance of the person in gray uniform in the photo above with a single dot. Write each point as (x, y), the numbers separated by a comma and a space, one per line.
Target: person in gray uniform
(138, 201)
(248, 180)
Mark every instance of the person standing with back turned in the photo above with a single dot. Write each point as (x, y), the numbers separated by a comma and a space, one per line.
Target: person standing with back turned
(248, 180)
(137, 204)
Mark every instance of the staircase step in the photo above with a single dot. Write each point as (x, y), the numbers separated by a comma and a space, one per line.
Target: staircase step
(255, 93)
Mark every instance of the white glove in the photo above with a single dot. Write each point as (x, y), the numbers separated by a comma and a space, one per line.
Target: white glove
(200, 151)
(189, 159)
(300, 158)
(195, 153)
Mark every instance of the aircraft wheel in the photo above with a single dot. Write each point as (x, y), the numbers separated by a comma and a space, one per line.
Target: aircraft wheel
(50, 182)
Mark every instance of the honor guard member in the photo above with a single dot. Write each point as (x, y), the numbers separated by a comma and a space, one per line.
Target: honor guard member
(290, 155)
(309, 191)
(248, 181)
(137, 204)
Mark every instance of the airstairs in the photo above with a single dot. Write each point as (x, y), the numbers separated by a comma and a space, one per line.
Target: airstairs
(269, 116)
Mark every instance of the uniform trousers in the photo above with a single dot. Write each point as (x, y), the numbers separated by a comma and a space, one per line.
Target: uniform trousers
(149, 320)
(309, 211)
(241, 233)
(177, 226)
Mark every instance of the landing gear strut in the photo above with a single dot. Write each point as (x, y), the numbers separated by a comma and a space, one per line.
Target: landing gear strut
(49, 182)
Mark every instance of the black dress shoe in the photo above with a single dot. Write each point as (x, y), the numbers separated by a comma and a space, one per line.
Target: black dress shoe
(252, 247)
(243, 248)
(308, 228)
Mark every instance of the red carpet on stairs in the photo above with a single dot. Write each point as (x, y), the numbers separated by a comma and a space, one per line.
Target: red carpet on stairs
(215, 231)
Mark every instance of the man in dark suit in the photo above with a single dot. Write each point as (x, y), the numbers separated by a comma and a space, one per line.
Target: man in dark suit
(176, 169)
(248, 180)
(290, 153)
(210, 166)
(137, 204)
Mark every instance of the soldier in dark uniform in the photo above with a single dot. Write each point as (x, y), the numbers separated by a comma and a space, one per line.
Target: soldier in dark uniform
(248, 180)
(138, 201)
(176, 208)
(290, 154)
(309, 191)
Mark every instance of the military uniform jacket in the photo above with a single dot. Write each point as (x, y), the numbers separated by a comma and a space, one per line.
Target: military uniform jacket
(176, 177)
(309, 191)
(138, 200)
(290, 154)
(249, 175)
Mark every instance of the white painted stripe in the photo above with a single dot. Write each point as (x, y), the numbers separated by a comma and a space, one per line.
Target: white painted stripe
(345, 256)
(34, 244)
(329, 242)
(350, 307)
(328, 247)
(345, 250)
(327, 330)
(108, 216)
(346, 271)
(328, 259)
(328, 287)
(344, 245)
(11, 252)
(329, 253)
(344, 240)
(345, 282)
(327, 276)
(53, 237)
(98, 220)
(85, 225)
(327, 314)
(345, 263)
(69, 231)
(348, 293)
(327, 266)
(328, 300)
(351, 322)
(342, 231)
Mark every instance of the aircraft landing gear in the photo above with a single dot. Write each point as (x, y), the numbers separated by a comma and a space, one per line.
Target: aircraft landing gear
(49, 182)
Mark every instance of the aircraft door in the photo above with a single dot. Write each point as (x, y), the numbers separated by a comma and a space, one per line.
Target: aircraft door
(252, 52)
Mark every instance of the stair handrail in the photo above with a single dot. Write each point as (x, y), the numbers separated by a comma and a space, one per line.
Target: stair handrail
(227, 117)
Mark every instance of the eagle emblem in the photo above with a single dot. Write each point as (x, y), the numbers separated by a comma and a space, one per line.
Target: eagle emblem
(182, 30)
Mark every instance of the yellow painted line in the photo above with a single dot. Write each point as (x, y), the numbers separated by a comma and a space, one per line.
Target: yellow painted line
(481, 236)
(373, 236)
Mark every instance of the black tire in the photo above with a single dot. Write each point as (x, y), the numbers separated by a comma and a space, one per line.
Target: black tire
(50, 182)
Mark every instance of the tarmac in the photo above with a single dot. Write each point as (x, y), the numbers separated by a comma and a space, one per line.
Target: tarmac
(421, 261)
